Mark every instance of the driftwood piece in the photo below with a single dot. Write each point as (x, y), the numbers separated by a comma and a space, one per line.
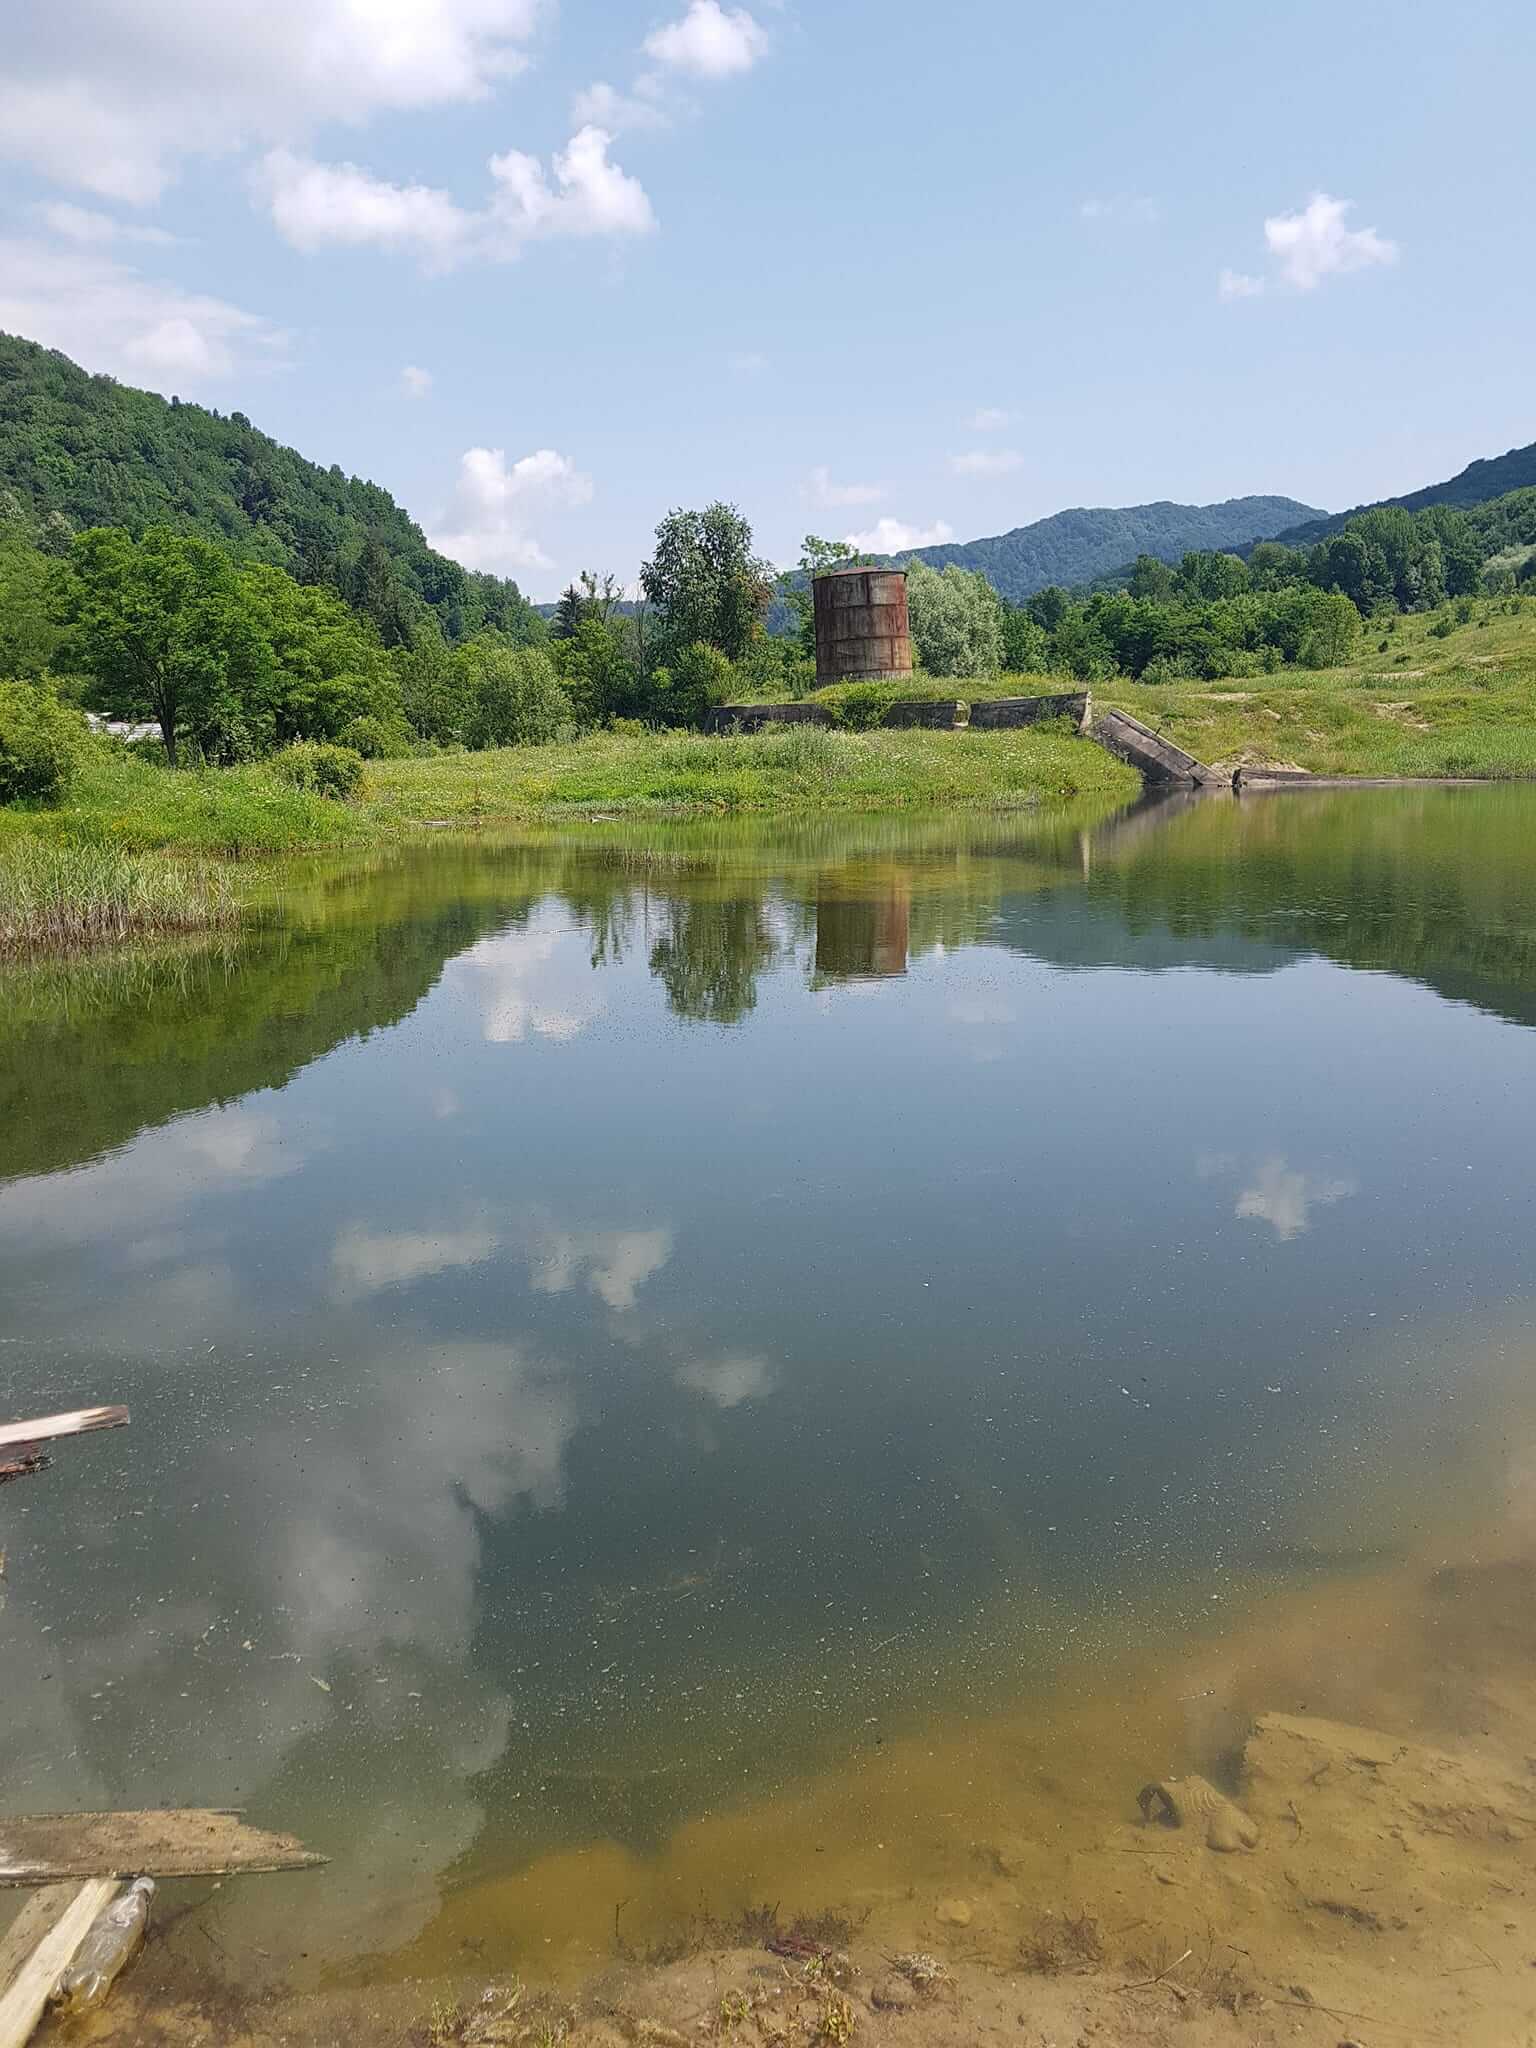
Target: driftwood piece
(75, 1423)
(41, 1848)
(22, 1998)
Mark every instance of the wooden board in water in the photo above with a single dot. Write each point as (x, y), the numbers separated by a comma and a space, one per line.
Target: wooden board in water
(41, 1848)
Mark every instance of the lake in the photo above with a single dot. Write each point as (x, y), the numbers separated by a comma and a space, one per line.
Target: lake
(682, 1370)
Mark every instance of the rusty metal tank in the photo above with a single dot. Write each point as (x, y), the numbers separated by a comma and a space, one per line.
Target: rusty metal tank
(861, 625)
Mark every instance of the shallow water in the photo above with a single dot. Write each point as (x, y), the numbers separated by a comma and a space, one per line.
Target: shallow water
(636, 1342)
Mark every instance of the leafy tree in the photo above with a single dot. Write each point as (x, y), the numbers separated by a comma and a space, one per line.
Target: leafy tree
(598, 669)
(29, 631)
(705, 582)
(568, 614)
(956, 620)
(1151, 577)
(1048, 607)
(1026, 646)
(434, 691)
(326, 666)
(1205, 578)
(1350, 563)
(1332, 635)
(157, 624)
(516, 699)
(1272, 565)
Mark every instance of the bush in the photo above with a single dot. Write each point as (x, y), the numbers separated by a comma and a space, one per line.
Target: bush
(516, 699)
(699, 677)
(376, 739)
(1442, 626)
(862, 706)
(40, 744)
(325, 769)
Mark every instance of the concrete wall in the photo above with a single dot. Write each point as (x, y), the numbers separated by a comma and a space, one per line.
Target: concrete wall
(992, 713)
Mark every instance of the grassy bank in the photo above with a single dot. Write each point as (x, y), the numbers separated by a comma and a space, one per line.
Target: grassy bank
(796, 770)
(1415, 702)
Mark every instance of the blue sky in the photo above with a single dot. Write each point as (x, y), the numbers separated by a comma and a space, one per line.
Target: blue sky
(843, 265)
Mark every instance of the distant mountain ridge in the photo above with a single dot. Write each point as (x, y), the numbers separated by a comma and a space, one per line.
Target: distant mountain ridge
(1489, 477)
(1074, 547)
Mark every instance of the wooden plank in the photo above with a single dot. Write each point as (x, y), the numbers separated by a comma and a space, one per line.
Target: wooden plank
(23, 1999)
(40, 1848)
(75, 1423)
(39, 1913)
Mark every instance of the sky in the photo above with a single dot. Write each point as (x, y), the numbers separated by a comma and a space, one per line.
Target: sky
(545, 271)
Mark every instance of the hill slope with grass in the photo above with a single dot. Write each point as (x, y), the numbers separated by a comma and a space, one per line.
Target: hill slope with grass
(1072, 548)
(78, 451)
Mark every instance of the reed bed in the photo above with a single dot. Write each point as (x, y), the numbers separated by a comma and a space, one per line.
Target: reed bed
(61, 898)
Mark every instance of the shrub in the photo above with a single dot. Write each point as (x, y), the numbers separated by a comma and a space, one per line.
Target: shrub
(40, 744)
(516, 699)
(376, 739)
(862, 706)
(1442, 626)
(699, 677)
(325, 769)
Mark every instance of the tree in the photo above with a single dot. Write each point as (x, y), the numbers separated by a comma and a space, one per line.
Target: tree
(157, 624)
(1349, 563)
(705, 582)
(1272, 565)
(515, 697)
(1332, 633)
(956, 620)
(598, 669)
(568, 614)
(29, 632)
(1151, 577)
(697, 678)
(1026, 646)
(40, 743)
(1049, 607)
(1203, 578)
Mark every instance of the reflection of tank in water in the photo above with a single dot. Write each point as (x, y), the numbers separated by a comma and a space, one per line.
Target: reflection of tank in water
(864, 936)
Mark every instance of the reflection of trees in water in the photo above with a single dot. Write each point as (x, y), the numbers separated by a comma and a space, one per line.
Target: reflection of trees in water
(1433, 885)
(710, 955)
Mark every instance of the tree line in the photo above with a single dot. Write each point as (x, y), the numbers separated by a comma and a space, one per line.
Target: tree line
(237, 659)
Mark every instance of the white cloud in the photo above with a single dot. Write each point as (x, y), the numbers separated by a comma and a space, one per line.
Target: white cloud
(825, 492)
(987, 462)
(317, 205)
(1309, 246)
(1315, 243)
(895, 537)
(111, 318)
(485, 527)
(748, 362)
(990, 419)
(728, 1381)
(110, 95)
(84, 224)
(602, 106)
(415, 382)
(709, 43)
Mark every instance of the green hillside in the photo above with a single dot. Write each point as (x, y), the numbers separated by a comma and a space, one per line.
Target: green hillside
(1480, 482)
(1072, 548)
(79, 451)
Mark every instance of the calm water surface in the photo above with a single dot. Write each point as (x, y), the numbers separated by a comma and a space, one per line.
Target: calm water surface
(616, 1328)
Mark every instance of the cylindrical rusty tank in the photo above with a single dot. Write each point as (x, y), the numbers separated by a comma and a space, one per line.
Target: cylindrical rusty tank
(861, 625)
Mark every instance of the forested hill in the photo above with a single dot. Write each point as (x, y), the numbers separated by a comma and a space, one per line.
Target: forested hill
(1479, 483)
(78, 451)
(1072, 548)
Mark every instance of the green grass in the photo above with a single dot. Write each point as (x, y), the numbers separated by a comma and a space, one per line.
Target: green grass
(798, 769)
(60, 898)
(122, 800)
(1464, 704)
